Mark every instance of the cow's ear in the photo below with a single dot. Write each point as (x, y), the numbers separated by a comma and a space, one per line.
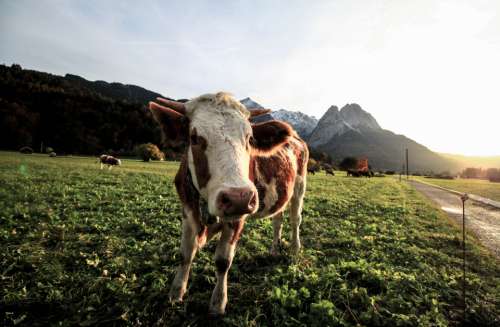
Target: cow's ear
(270, 134)
(174, 125)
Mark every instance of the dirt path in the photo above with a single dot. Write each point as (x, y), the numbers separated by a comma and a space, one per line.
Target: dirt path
(482, 219)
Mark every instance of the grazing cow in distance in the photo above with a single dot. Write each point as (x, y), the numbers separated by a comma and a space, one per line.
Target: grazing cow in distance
(313, 167)
(108, 160)
(232, 170)
(328, 169)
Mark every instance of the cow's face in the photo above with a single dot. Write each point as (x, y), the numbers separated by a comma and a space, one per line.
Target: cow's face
(220, 141)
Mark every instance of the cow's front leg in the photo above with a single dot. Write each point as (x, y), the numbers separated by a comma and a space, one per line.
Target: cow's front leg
(224, 254)
(189, 246)
(277, 228)
(296, 212)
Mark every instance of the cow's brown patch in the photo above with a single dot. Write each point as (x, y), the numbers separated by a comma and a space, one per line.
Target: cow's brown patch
(198, 147)
(278, 167)
(188, 194)
(270, 135)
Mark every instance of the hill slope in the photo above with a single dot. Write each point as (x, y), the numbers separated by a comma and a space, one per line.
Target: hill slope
(71, 114)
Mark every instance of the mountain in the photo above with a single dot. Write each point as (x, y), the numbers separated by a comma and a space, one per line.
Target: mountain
(335, 123)
(250, 104)
(74, 115)
(351, 131)
(301, 122)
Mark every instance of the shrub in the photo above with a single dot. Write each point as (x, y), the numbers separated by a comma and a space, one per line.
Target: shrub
(26, 150)
(149, 151)
(390, 172)
(49, 150)
(52, 154)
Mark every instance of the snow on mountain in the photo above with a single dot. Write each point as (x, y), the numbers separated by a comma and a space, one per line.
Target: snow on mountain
(301, 122)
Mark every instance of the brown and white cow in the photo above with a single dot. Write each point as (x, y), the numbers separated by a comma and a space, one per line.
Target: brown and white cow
(108, 160)
(232, 170)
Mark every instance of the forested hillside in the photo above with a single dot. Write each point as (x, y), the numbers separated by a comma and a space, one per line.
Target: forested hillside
(72, 115)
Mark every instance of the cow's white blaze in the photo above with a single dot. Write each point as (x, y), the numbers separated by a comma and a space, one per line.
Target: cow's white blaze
(223, 122)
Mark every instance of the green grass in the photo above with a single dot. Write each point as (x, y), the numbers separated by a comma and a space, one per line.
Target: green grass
(80, 246)
(480, 187)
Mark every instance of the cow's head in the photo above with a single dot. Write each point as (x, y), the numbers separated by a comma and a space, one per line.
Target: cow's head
(220, 140)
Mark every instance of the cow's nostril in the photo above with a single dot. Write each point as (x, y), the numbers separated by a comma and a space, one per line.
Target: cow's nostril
(225, 200)
(252, 202)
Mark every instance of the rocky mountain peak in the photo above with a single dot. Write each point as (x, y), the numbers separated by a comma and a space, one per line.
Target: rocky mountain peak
(249, 103)
(355, 116)
(335, 123)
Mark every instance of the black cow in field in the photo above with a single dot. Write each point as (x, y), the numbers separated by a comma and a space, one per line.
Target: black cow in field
(108, 160)
(328, 169)
(313, 167)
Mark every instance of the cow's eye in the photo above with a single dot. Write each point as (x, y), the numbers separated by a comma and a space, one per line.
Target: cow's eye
(250, 140)
(194, 139)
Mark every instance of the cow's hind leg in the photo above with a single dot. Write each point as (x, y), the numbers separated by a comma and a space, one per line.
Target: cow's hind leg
(189, 246)
(224, 254)
(296, 212)
(277, 227)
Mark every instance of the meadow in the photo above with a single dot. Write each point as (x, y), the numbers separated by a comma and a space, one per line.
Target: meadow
(479, 187)
(81, 246)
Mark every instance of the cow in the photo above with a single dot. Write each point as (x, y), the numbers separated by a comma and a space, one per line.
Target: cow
(312, 166)
(231, 171)
(108, 160)
(328, 169)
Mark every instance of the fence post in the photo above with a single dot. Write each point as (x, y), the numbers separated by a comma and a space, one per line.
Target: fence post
(464, 198)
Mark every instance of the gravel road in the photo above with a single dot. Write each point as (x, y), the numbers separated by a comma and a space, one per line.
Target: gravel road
(483, 220)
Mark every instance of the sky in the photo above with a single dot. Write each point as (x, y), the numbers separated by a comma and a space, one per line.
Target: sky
(427, 69)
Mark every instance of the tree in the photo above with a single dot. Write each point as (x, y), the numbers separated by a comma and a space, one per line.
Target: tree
(348, 163)
(149, 151)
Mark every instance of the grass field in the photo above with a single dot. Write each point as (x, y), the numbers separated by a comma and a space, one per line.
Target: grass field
(80, 246)
(480, 187)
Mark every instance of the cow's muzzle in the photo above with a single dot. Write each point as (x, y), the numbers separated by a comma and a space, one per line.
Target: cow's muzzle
(236, 201)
